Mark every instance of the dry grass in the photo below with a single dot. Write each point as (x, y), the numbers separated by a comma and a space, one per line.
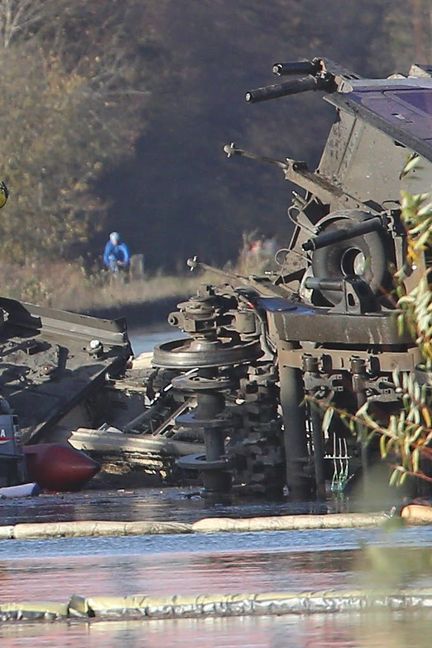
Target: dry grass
(68, 286)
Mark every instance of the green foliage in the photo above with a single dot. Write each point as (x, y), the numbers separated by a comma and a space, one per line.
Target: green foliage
(406, 438)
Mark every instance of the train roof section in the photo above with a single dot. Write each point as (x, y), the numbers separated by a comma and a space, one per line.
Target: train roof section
(400, 107)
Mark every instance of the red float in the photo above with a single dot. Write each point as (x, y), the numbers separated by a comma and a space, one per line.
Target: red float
(59, 466)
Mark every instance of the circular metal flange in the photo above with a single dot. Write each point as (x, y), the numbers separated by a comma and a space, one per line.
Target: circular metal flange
(199, 462)
(199, 309)
(190, 420)
(200, 383)
(190, 353)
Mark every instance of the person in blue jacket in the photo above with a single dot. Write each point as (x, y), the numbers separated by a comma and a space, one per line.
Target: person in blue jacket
(116, 255)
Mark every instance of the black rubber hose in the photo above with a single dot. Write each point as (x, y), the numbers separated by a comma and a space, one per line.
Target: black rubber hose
(282, 89)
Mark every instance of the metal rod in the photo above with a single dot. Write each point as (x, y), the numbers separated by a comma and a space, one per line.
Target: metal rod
(303, 66)
(343, 234)
(282, 89)
(358, 369)
(291, 396)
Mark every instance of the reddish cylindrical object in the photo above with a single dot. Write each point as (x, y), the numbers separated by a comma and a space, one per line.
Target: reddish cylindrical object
(59, 466)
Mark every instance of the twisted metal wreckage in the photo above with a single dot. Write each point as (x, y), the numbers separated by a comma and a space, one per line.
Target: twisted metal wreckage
(227, 402)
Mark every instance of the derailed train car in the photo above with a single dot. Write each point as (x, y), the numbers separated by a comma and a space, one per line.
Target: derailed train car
(227, 402)
(324, 323)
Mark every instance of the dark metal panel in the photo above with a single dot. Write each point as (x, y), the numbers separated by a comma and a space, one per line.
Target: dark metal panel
(47, 365)
(351, 146)
(397, 111)
(36, 318)
(306, 323)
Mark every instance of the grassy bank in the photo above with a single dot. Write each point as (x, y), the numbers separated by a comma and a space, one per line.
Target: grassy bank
(68, 286)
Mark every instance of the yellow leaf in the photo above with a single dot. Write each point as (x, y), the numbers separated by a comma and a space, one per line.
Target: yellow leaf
(426, 416)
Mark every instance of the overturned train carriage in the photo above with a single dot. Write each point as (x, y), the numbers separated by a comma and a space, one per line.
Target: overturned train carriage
(227, 402)
(324, 324)
(61, 372)
(54, 362)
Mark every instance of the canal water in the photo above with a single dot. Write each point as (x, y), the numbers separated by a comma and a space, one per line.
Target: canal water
(318, 631)
(144, 340)
(211, 563)
(253, 562)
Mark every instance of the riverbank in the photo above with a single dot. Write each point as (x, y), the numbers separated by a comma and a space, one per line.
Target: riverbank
(142, 300)
(138, 314)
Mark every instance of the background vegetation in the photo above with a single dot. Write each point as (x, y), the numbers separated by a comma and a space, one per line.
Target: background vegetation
(114, 114)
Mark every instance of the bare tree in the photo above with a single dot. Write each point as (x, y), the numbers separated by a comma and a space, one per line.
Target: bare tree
(72, 102)
(17, 17)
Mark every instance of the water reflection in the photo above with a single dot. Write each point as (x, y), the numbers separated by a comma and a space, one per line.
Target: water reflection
(144, 340)
(159, 565)
(397, 630)
(59, 578)
(181, 504)
(283, 567)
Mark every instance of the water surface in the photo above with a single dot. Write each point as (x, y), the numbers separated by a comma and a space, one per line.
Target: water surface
(196, 564)
(397, 630)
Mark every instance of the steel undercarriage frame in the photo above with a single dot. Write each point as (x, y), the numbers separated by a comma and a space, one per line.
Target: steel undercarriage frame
(325, 321)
